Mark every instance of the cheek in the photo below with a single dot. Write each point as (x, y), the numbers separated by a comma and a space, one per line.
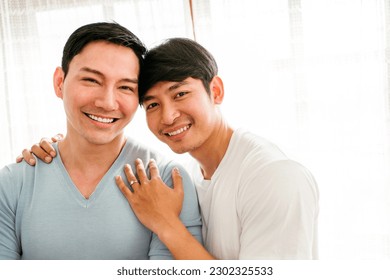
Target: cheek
(152, 124)
(129, 105)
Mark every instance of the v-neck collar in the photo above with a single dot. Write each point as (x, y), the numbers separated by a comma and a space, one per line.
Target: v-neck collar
(106, 181)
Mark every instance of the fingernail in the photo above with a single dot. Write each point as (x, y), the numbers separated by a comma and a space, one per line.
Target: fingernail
(47, 159)
(176, 170)
(153, 160)
(32, 161)
(52, 153)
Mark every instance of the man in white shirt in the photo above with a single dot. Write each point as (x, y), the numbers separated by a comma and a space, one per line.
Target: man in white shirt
(255, 202)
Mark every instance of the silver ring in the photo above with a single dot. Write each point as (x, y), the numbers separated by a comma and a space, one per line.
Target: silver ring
(133, 182)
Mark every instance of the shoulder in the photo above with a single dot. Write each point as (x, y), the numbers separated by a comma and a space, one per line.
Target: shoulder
(135, 149)
(280, 183)
(12, 178)
(254, 150)
(290, 174)
(138, 148)
(15, 172)
(263, 158)
(264, 168)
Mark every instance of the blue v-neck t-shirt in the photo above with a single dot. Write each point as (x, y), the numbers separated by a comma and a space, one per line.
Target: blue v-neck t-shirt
(44, 216)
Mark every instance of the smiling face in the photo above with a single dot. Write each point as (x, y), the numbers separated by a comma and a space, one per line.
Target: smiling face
(182, 114)
(100, 92)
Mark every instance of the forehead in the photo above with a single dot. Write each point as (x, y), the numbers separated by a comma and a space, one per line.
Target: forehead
(107, 56)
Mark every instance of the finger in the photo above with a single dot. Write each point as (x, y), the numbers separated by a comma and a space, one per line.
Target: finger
(47, 146)
(40, 153)
(57, 137)
(19, 158)
(177, 181)
(153, 169)
(28, 157)
(139, 165)
(123, 188)
(130, 175)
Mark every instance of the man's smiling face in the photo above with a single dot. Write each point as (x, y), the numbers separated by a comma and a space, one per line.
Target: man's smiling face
(100, 91)
(180, 114)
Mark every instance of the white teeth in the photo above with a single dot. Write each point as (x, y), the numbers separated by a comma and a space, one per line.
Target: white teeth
(99, 119)
(178, 131)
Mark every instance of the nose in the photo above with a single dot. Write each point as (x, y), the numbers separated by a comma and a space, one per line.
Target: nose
(169, 114)
(107, 100)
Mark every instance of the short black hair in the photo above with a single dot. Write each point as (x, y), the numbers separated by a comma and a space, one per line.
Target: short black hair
(175, 60)
(101, 31)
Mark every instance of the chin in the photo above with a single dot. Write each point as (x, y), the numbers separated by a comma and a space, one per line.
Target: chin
(181, 149)
(101, 140)
(176, 151)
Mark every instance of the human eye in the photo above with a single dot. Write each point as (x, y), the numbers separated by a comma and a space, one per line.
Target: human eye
(127, 88)
(151, 106)
(90, 80)
(181, 94)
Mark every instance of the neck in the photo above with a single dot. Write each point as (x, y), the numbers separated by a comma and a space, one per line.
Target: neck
(86, 162)
(83, 155)
(211, 153)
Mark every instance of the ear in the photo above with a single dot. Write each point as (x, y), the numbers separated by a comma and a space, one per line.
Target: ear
(217, 90)
(58, 81)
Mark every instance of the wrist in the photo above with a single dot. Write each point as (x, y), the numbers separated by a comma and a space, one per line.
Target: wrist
(171, 230)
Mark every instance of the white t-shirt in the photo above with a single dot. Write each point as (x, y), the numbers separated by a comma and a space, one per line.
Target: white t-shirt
(259, 204)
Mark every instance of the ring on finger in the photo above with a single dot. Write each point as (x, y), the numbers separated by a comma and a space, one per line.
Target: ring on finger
(133, 182)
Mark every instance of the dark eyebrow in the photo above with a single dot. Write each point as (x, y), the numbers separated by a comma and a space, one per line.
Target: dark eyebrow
(171, 88)
(87, 69)
(93, 71)
(177, 85)
(148, 97)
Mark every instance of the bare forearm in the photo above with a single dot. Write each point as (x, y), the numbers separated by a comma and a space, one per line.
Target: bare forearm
(182, 244)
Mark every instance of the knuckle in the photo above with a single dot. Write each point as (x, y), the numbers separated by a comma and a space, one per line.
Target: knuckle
(153, 167)
(155, 179)
(139, 166)
(45, 141)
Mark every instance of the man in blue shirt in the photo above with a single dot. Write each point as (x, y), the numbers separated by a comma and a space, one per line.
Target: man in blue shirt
(72, 209)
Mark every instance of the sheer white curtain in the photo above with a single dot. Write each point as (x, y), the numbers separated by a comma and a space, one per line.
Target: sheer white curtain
(313, 76)
(310, 75)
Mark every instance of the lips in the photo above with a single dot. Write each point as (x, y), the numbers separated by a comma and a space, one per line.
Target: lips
(101, 119)
(178, 131)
